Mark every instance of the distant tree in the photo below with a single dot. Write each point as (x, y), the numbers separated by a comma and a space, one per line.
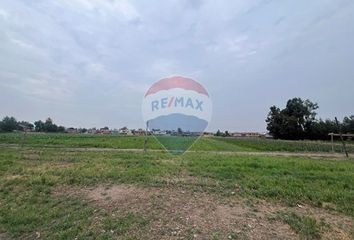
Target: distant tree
(49, 120)
(218, 133)
(348, 124)
(320, 129)
(23, 125)
(8, 124)
(294, 121)
(227, 134)
(275, 122)
(61, 129)
(39, 126)
(47, 126)
(179, 131)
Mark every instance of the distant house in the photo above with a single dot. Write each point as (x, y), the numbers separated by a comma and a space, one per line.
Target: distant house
(246, 134)
(139, 132)
(91, 131)
(105, 132)
(253, 134)
(125, 131)
(208, 134)
(158, 132)
(72, 130)
(236, 134)
(115, 131)
(268, 136)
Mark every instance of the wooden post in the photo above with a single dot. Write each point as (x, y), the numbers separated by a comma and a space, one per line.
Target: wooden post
(146, 135)
(332, 142)
(23, 135)
(341, 137)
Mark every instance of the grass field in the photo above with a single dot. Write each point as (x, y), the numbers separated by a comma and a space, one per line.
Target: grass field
(89, 187)
(204, 144)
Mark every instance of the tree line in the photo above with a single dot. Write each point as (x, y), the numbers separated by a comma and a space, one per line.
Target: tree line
(10, 124)
(297, 121)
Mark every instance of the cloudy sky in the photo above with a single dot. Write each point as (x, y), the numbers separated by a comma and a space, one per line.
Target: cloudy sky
(88, 63)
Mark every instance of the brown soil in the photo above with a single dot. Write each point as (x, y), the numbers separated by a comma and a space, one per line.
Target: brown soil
(3, 236)
(176, 213)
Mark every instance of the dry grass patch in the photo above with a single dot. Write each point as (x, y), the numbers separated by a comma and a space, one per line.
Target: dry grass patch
(176, 213)
(203, 215)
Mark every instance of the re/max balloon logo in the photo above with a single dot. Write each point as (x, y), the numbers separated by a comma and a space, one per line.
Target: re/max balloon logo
(177, 102)
(177, 110)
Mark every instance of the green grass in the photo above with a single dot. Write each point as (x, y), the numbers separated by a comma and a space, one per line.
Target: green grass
(175, 144)
(29, 177)
(32, 211)
(123, 224)
(305, 226)
(172, 143)
(258, 144)
(29, 209)
(289, 179)
(79, 140)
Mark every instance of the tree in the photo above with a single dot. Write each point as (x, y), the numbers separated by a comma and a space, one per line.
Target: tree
(218, 133)
(39, 126)
(61, 129)
(179, 131)
(294, 121)
(275, 122)
(23, 125)
(348, 124)
(8, 124)
(49, 126)
(320, 129)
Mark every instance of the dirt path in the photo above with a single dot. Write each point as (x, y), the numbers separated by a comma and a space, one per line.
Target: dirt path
(324, 155)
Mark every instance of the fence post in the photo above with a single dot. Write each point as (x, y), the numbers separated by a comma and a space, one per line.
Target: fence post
(341, 137)
(332, 142)
(146, 135)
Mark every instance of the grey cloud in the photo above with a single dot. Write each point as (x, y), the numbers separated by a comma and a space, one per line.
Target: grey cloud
(88, 62)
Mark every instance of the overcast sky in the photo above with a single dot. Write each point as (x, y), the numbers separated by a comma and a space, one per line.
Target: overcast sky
(88, 63)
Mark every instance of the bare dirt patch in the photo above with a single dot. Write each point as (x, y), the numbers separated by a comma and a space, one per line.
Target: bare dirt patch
(337, 226)
(3, 236)
(175, 213)
(124, 195)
